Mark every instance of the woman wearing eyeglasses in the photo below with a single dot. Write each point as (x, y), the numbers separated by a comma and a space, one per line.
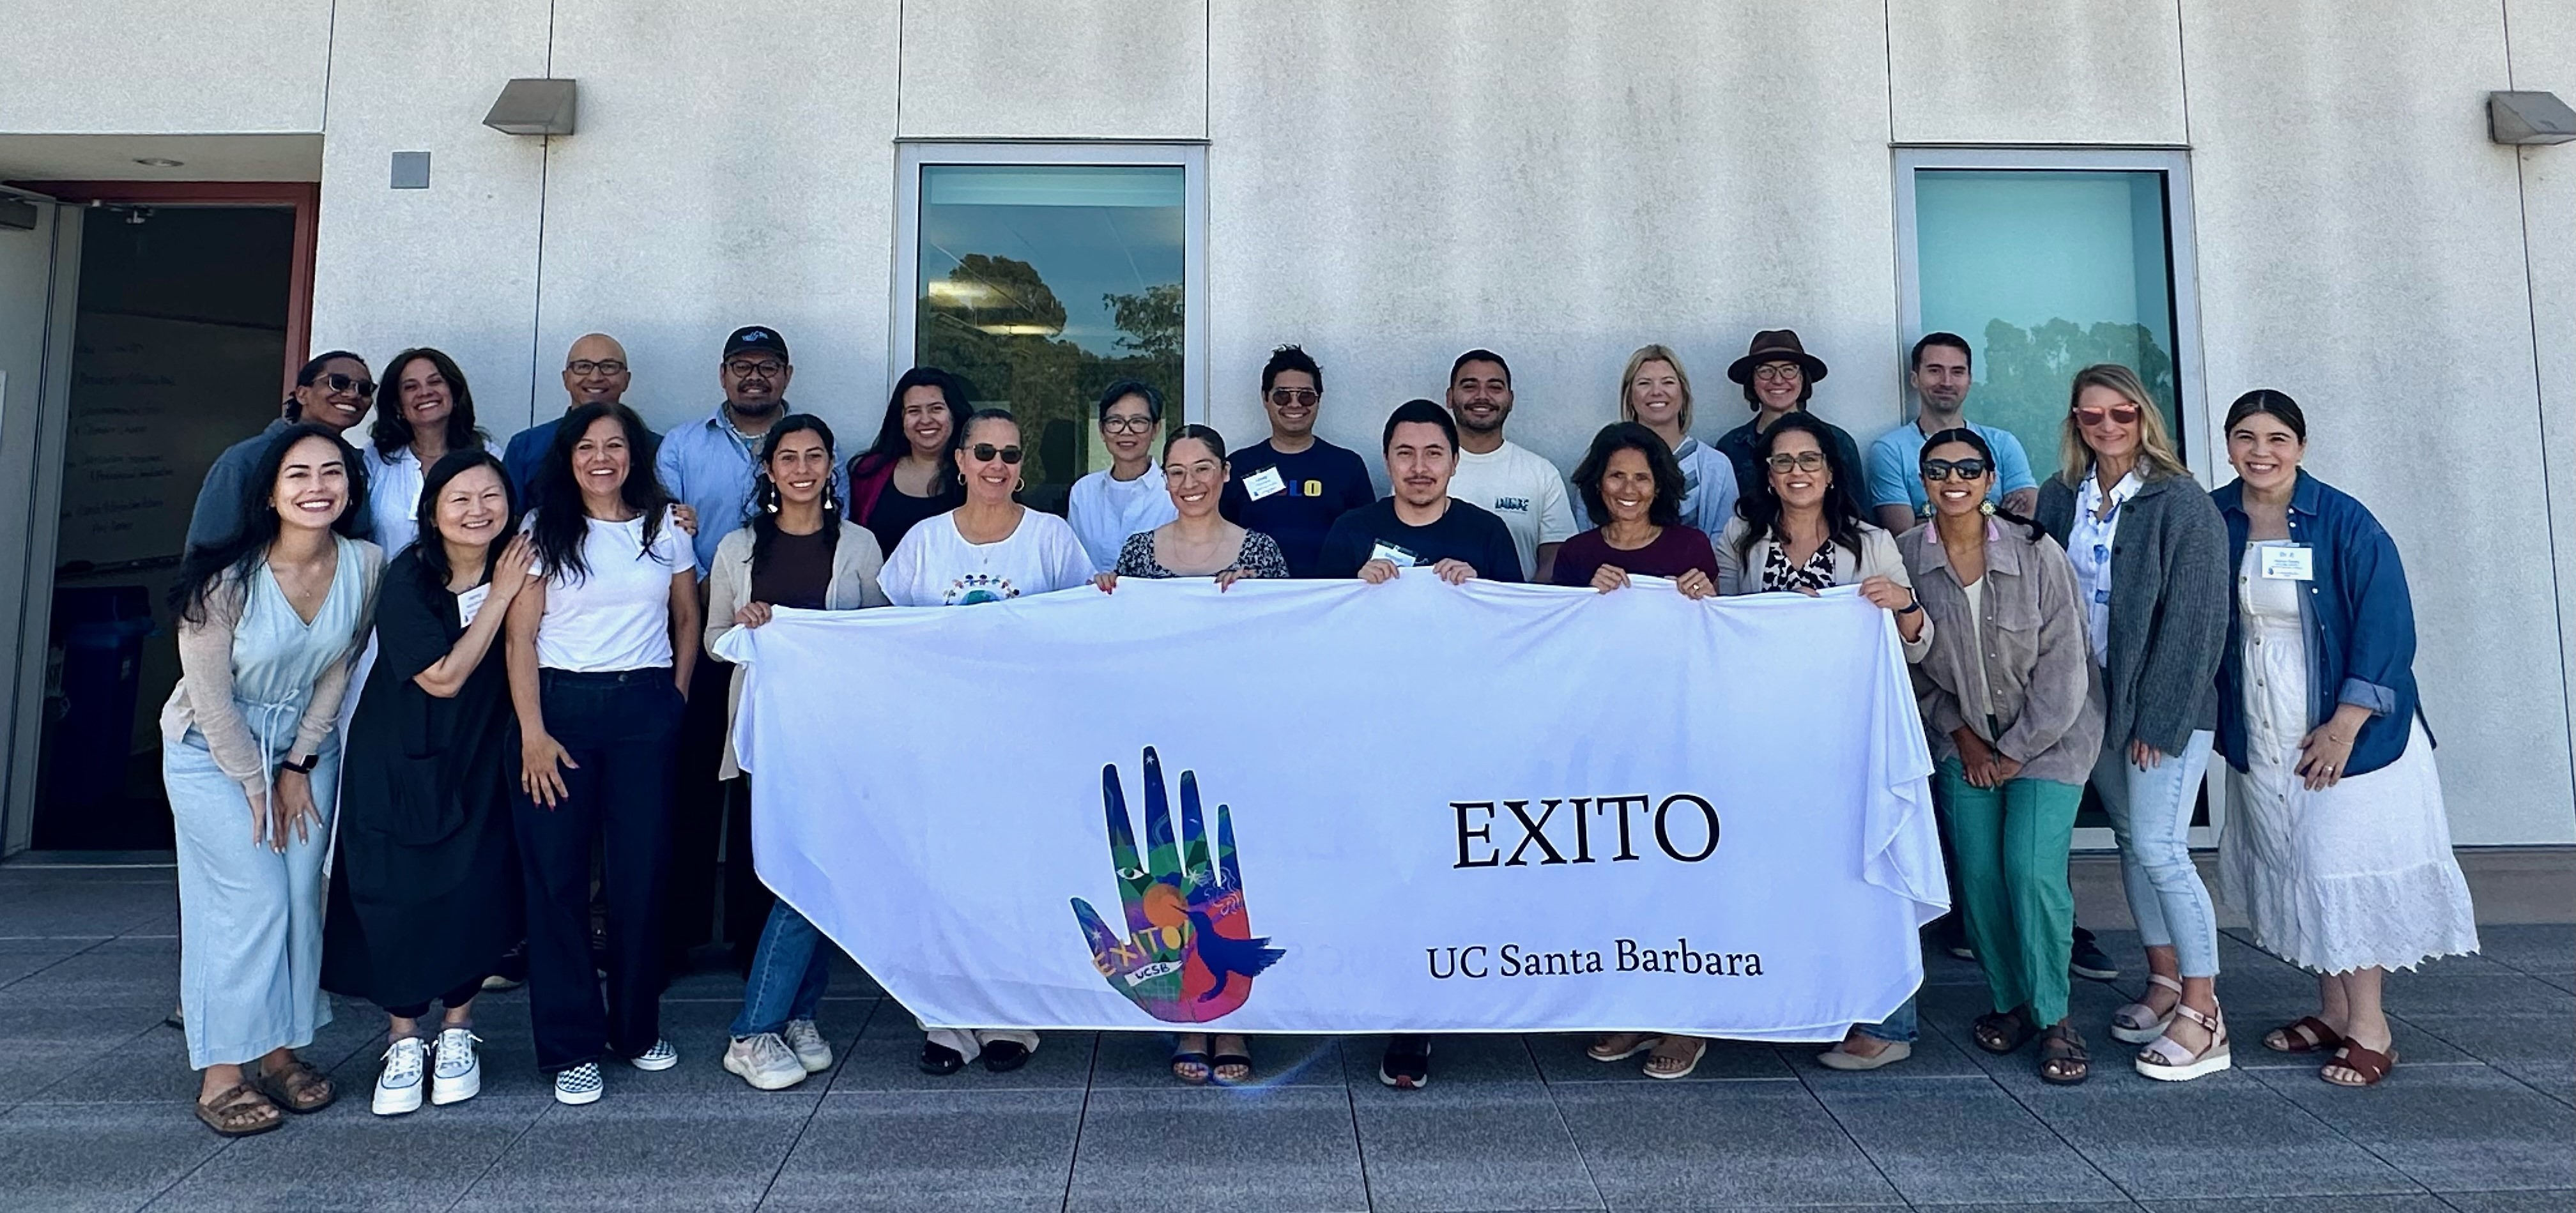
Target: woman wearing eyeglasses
(2015, 719)
(2338, 847)
(1125, 498)
(1779, 377)
(2150, 556)
(991, 549)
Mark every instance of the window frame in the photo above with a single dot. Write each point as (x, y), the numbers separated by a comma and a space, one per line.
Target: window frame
(2191, 403)
(912, 156)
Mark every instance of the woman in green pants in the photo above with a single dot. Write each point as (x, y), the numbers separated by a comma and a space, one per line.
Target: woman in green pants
(2015, 716)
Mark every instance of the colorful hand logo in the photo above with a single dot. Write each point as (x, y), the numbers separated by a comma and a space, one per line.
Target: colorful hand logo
(1190, 955)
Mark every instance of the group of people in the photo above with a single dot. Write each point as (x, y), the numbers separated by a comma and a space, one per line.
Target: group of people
(486, 671)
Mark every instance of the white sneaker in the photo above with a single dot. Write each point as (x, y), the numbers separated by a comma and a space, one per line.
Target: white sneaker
(764, 1061)
(458, 1075)
(807, 1040)
(660, 1057)
(398, 1086)
(579, 1085)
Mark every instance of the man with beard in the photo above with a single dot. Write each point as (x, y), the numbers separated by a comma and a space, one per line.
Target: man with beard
(710, 466)
(595, 372)
(1293, 486)
(1511, 482)
(1941, 381)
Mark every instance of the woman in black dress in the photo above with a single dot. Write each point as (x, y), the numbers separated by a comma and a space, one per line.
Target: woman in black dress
(425, 892)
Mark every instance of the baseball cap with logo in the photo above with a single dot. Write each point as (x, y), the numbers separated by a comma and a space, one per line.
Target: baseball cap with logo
(756, 339)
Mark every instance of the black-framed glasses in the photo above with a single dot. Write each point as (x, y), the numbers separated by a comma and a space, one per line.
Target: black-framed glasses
(1777, 372)
(1803, 461)
(586, 367)
(350, 384)
(766, 368)
(1938, 470)
(1137, 424)
(985, 452)
(1285, 396)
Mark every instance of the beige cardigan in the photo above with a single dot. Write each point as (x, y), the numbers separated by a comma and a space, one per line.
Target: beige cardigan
(856, 561)
(206, 677)
(1878, 558)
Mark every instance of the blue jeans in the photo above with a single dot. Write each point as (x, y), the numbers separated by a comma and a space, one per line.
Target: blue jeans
(1897, 1028)
(2151, 818)
(788, 974)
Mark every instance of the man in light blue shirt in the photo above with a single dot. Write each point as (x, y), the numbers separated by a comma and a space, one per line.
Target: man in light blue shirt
(1941, 380)
(711, 465)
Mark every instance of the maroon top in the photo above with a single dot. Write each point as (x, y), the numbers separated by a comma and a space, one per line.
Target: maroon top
(1675, 552)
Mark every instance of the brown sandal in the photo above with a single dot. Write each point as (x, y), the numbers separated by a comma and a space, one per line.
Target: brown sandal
(2309, 1035)
(2062, 1047)
(2371, 1064)
(297, 1087)
(240, 1110)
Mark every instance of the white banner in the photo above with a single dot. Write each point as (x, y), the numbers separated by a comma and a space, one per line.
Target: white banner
(1335, 807)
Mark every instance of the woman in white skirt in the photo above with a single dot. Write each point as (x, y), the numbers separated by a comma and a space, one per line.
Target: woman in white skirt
(2338, 847)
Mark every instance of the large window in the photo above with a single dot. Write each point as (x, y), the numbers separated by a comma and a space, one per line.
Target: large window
(2048, 262)
(1043, 273)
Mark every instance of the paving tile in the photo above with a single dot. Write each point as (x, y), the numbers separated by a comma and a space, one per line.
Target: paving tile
(2424, 1202)
(2512, 1202)
(1470, 1060)
(114, 973)
(2531, 1048)
(1561, 1058)
(2237, 1132)
(1522, 1155)
(1272, 1148)
(2451, 1128)
(20, 957)
(887, 1053)
(46, 1041)
(2502, 993)
(2540, 948)
(87, 908)
(948, 1150)
(1144, 1059)
(1701, 1144)
(345, 1157)
(1982, 1146)
(65, 1157)
(626, 1154)
(2060, 1206)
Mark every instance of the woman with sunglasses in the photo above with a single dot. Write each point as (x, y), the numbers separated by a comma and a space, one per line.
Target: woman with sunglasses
(423, 411)
(2015, 719)
(1121, 500)
(991, 549)
(331, 390)
(2338, 847)
(797, 551)
(2150, 557)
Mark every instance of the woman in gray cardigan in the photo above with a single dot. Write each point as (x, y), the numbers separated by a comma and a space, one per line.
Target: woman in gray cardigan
(2150, 557)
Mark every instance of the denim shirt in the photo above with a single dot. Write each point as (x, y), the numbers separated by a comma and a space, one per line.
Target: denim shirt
(706, 465)
(2358, 619)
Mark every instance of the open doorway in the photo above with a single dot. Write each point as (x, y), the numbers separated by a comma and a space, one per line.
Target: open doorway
(185, 315)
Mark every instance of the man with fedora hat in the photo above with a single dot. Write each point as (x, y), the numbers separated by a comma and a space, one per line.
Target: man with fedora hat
(1779, 375)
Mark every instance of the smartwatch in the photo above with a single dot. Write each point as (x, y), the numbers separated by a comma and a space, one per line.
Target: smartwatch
(302, 768)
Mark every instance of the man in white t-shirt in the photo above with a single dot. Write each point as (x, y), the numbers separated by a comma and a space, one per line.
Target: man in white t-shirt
(1511, 482)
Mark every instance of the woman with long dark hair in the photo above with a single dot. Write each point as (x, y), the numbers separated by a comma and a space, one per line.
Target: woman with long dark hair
(424, 892)
(267, 621)
(796, 551)
(601, 649)
(910, 472)
(331, 390)
(1633, 488)
(423, 411)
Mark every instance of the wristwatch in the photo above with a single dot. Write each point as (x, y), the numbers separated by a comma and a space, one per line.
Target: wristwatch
(301, 768)
(1913, 603)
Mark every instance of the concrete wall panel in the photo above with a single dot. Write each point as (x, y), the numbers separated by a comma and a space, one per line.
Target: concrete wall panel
(172, 67)
(2035, 71)
(2543, 44)
(1465, 197)
(2361, 248)
(1076, 69)
(700, 196)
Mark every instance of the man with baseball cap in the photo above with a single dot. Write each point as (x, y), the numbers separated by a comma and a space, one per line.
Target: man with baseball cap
(710, 466)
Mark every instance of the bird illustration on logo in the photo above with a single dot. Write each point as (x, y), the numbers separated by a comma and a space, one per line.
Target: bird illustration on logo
(1190, 954)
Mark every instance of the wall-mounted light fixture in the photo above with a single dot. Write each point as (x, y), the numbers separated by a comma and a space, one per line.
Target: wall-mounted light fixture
(533, 107)
(2523, 119)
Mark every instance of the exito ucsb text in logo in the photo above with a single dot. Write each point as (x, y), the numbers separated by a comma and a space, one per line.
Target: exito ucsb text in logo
(1190, 954)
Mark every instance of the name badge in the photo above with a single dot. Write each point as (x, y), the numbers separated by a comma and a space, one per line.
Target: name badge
(1264, 483)
(2290, 562)
(470, 604)
(1394, 555)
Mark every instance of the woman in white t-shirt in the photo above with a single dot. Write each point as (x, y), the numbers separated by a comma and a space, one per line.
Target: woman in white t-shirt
(601, 648)
(423, 411)
(991, 549)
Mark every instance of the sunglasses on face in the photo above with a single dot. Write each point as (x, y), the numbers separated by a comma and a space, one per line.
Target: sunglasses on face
(2119, 414)
(1803, 461)
(348, 385)
(1285, 396)
(1938, 470)
(985, 452)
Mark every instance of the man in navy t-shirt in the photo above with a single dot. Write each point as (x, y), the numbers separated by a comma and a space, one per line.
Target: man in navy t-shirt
(1420, 524)
(1293, 486)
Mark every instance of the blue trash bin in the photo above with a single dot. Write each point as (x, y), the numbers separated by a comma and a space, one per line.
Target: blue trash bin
(100, 630)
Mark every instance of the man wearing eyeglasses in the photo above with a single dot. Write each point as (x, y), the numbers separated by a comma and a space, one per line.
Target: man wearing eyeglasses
(595, 372)
(1940, 372)
(1294, 485)
(710, 467)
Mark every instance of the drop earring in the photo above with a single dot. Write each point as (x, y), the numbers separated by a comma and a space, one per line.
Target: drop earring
(1986, 508)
